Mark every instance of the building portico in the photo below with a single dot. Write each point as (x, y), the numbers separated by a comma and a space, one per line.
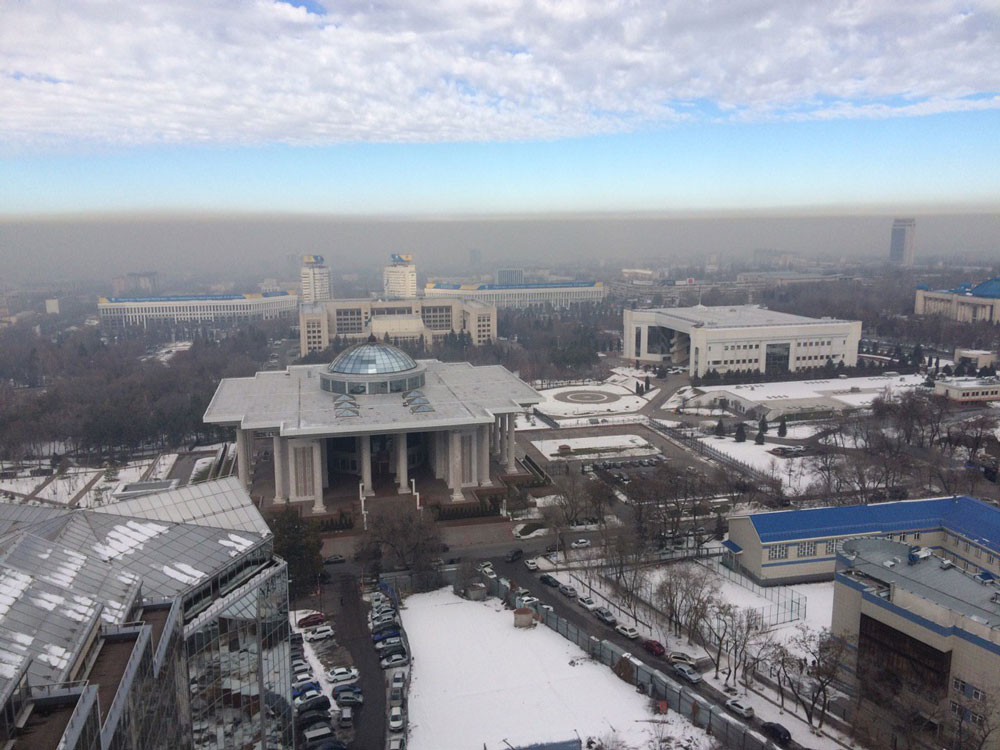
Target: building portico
(375, 420)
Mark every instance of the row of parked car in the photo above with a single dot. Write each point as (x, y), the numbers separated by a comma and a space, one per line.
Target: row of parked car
(390, 644)
(313, 720)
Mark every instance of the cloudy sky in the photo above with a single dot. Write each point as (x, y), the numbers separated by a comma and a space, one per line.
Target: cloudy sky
(493, 106)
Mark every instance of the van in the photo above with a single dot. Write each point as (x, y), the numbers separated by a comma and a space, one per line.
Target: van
(315, 735)
(346, 719)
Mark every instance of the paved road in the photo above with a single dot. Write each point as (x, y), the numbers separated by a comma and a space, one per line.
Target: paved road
(350, 614)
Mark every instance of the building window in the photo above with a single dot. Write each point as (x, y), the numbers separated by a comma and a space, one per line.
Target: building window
(958, 685)
(830, 547)
(777, 552)
(806, 549)
(978, 694)
(916, 535)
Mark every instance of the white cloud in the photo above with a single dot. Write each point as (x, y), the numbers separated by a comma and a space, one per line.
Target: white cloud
(193, 71)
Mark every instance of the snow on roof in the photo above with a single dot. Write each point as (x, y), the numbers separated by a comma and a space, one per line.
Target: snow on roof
(968, 516)
(840, 389)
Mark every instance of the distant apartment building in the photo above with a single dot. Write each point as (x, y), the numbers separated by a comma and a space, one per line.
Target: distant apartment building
(404, 321)
(149, 624)
(220, 309)
(399, 278)
(314, 279)
(738, 338)
(147, 282)
(901, 242)
(965, 303)
(508, 276)
(560, 294)
(968, 390)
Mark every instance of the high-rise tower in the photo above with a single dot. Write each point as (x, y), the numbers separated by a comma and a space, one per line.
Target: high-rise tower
(901, 248)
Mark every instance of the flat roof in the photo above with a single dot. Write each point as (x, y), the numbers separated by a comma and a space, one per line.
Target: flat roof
(292, 401)
(515, 287)
(972, 518)
(734, 316)
(197, 297)
(109, 666)
(948, 586)
(846, 391)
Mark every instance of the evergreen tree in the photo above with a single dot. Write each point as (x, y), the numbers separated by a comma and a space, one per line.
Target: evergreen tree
(782, 426)
(759, 440)
(720, 429)
(647, 383)
(762, 425)
(741, 433)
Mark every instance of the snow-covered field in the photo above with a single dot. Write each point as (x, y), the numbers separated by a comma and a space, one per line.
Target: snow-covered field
(802, 431)
(477, 681)
(64, 488)
(163, 466)
(605, 446)
(21, 485)
(795, 473)
(524, 422)
(627, 401)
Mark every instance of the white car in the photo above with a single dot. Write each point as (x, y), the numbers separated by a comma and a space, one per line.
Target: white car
(587, 603)
(741, 707)
(319, 634)
(308, 695)
(628, 631)
(398, 680)
(396, 719)
(394, 641)
(527, 601)
(530, 564)
(484, 565)
(396, 660)
(342, 675)
(579, 543)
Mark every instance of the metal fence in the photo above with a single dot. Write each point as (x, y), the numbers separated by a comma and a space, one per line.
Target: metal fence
(788, 605)
(670, 695)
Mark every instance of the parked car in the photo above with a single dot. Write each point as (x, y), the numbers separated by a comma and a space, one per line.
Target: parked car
(342, 675)
(398, 680)
(319, 634)
(399, 648)
(383, 634)
(484, 565)
(305, 688)
(385, 622)
(345, 688)
(552, 548)
(397, 743)
(776, 732)
(587, 603)
(628, 631)
(350, 699)
(305, 697)
(527, 601)
(514, 555)
(741, 707)
(295, 638)
(679, 657)
(549, 580)
(566, 590)
(531, 564)
(395, 660)
(305, 720)
(382, 645)
(654, 647)
(311, 619)
(301, 665)
(318, 703)
(396, 696)
(604, 615)
(396, 719)
(687, 672)
(334, 560)
(579, 543)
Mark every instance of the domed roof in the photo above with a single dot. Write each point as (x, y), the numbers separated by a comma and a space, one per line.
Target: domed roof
(372, 358)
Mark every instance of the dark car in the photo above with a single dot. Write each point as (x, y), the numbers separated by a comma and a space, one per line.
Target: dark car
(334, 559)
(548, 580)
(654, 647)
(309, 620)
(399, 648)
(776, 732)
(305, 720)
(295, 638)
(350, 699)
(296, 692)
(381, 635)
(514, 555)
(341, 689)
(552, 548)
(319, 703)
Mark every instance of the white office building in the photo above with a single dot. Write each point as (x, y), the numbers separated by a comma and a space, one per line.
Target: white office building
(314, 278)
(399, 278)
(214, 309)
(738, 338)
(554, 294)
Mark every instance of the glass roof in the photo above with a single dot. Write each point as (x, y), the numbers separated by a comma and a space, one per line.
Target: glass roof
(372, 359)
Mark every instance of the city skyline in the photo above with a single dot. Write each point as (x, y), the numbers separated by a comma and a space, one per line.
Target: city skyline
(491, 109)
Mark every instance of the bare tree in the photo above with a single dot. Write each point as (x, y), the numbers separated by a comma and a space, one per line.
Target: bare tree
(809, 665)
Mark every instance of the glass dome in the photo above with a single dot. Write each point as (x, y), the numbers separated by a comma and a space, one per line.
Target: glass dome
(372, 359)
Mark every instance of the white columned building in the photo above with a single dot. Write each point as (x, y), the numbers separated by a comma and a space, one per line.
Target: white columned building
(372, 421)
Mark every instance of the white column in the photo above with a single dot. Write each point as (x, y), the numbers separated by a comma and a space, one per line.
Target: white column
(402, 477)
(326, 471)
(511, 465)
(502, 449)
(242, 458)
(496, 434)
(643, 342)
(366, 464)
(280, 488)
(317, 455)
(483, 436)
(455, 464)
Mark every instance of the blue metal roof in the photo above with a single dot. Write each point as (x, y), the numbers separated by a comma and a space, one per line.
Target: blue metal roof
(198, 297)
(732, 546)
(990, 288)
(967, 516)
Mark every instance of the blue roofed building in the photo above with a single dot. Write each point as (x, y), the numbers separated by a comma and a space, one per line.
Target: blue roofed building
(968, 303)
(796, 546)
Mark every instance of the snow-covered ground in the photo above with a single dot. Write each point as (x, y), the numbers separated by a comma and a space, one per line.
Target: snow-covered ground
(64, 488)
(477, 681)
(605, 446)
(795, 473)
(802, 431)
(529, 422)
(21, 485)
(627, 401)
